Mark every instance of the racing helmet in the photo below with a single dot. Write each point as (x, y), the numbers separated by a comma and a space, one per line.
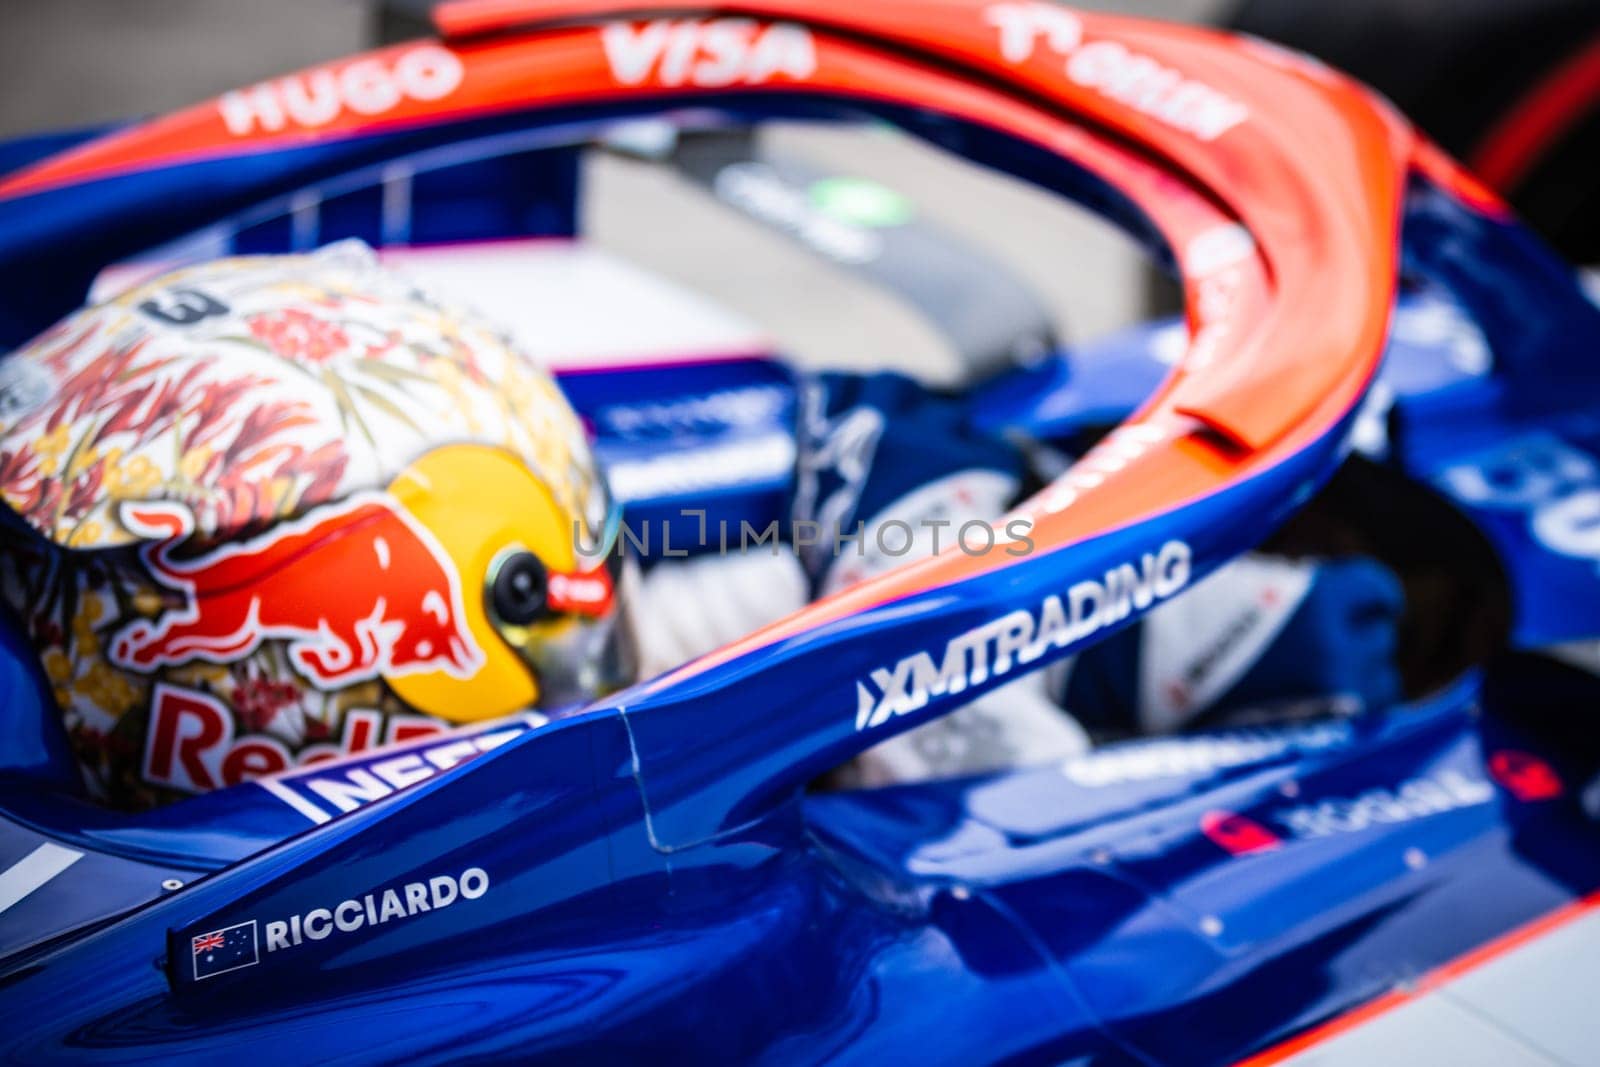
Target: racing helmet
(269, 510)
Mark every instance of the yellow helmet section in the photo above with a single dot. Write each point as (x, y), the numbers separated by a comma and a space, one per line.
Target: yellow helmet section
(476, 501)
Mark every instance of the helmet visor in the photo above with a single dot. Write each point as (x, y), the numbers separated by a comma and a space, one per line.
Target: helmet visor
(569, 627)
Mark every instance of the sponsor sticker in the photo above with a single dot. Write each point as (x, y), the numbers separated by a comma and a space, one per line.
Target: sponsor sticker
(1556, 485)
(755, 458)
(1526, 777)
(1184, 757)
(1412, 799)
(742, 407)
(369, 86)
(324, 790)
(710, 53)
(993, 649)
(1115, 71)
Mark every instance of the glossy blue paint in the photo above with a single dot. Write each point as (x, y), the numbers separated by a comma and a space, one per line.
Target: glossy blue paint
(33, 746)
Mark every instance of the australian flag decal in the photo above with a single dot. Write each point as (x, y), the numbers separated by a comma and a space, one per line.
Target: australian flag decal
(225, 950)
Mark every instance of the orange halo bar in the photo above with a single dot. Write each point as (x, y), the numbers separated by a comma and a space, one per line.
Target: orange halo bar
(1278, 184)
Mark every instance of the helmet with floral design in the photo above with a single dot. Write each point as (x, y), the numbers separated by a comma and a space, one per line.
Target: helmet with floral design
(268, 509)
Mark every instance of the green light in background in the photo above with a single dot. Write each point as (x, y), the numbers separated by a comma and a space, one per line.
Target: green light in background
(860, 201)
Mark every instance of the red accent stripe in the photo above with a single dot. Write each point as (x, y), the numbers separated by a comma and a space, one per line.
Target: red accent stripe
(1434, 979)
(1538, 120)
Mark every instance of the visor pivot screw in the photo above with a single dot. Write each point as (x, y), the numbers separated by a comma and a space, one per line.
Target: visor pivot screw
(519, 589)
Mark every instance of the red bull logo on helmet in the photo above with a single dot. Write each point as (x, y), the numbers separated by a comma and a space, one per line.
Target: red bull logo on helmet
(358, 589)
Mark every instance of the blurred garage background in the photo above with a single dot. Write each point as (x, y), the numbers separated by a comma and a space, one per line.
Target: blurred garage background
(1467, 69)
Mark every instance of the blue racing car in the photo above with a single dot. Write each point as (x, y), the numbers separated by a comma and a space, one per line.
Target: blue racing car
(361, 703)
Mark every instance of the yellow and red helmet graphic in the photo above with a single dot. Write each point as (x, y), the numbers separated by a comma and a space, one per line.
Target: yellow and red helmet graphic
(289, 508)
(371, 586)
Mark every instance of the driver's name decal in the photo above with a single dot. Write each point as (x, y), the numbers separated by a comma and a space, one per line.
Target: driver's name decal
(248, 943)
